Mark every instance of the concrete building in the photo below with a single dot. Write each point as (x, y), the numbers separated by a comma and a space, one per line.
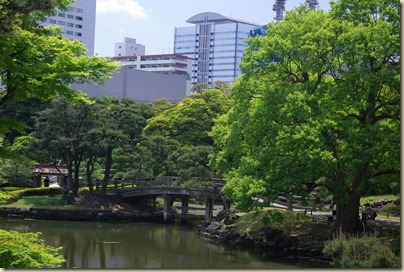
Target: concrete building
(77, 22)
(215, 44)
(142, 86)
(166, 63)
(131, 54)
(129, 47)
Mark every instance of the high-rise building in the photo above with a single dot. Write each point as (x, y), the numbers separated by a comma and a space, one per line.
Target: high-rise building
(215, 44)
(77, 22)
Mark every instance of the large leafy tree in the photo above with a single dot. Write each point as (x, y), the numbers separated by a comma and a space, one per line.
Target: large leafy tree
(326, 113)
(39, 62)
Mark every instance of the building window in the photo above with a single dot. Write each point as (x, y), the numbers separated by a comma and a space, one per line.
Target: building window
(68, 32)
(78, 34)
(52, 21)
(70, 16)
(70, 24)
(79, 18)
(79, 26)
(61, 23)
(60, 14)
(71, 9)
(79, 10)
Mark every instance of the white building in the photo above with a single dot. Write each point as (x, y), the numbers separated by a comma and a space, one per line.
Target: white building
(215, 44)
(166, 64)
(77, 22)
(129, 47)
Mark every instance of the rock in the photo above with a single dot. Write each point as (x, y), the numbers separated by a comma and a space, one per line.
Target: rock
(213, 226)
(227, 216)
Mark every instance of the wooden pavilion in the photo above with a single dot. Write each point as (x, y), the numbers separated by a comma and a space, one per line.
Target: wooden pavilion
(47, 170)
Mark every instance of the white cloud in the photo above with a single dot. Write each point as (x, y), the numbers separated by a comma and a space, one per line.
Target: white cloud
(131, 7)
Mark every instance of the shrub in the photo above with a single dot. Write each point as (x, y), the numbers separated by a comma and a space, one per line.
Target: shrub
(360, 252)
(27, 250)
(5, 197)
(9, 196)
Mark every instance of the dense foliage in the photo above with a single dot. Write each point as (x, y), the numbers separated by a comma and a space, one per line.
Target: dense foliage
(327, 113)
(39, 62)
(27, 250)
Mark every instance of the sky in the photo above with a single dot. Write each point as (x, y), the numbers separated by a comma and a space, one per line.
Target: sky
(152, 22)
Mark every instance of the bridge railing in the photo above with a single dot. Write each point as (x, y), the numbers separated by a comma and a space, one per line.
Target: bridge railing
(120, 184)
(297, 202)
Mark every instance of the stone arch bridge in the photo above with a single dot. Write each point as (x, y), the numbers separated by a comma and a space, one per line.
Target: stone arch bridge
(172, 188)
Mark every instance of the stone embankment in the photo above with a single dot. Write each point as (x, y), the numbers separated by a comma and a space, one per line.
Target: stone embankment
(81, 215)
(267, 239)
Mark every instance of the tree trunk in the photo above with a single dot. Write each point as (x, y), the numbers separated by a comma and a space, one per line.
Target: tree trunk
(76, 181)
(69, 177)
(348, 220)
(77, 162)
(89, 172)
(108, 165)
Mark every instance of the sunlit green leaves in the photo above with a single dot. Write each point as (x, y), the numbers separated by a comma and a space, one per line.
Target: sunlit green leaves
(27, 250)
(326, 110)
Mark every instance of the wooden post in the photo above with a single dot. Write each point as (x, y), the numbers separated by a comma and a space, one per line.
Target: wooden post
(168, 202)
(226, 203)
(208, 208)
(290, 202)
(314, 202)
(184, 208)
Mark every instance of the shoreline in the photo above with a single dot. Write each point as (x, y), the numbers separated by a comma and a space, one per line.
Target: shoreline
(81, 215)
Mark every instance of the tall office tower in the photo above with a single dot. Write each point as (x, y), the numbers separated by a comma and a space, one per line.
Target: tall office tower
(78, 22)
(129, 47)
(215, 44)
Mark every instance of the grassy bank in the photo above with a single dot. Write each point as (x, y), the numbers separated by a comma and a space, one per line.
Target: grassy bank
(297, 224)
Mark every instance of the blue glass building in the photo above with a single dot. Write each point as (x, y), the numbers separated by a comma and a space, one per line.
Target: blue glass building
(215, 44)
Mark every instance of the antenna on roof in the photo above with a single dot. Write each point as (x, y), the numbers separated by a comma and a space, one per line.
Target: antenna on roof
(312, 4)
(279, 8)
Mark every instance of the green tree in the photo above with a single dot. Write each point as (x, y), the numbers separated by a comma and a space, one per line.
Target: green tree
(192, 162)
(25, 14)
(27, 250)
(190, 121)
(121, 123)
(39, 62)
(161, 151)
(59, 134)
(161, 105)
(328, 111)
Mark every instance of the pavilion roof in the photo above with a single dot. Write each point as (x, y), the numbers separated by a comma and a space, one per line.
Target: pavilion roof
(50, 169)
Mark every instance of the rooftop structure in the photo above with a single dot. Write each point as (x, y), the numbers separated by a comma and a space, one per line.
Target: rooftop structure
(129, 47)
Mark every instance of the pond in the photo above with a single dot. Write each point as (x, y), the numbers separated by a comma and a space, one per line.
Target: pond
(142, 245)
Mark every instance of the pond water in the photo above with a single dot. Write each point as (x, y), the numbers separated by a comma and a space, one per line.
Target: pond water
(142, 245)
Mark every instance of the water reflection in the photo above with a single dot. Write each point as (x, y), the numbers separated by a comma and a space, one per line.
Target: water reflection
(137, 245)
